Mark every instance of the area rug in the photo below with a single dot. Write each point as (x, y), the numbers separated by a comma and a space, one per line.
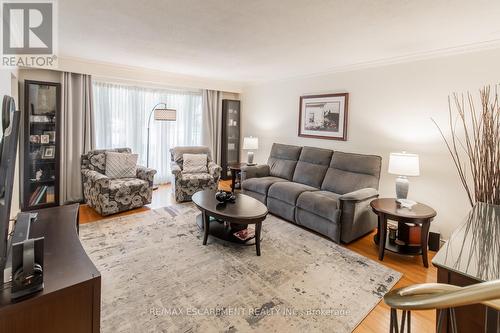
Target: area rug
(158, 277)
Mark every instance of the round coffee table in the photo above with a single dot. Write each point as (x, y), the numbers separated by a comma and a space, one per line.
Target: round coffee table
(420, 215)
(215, 216)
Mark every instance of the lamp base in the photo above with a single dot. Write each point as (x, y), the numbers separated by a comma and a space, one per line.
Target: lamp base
(402, 187)
(250, 158)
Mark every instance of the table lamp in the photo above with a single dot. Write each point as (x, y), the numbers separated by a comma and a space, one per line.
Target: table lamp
(403, 165)
(250, 143)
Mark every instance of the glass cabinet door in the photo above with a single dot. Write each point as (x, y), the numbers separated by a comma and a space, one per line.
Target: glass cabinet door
(41, 153)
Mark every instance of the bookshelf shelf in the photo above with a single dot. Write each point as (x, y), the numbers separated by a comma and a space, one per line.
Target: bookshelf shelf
(41, 113)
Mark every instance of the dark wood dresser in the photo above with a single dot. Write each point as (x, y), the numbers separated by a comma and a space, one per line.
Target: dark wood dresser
(472, 255)
(71, 298)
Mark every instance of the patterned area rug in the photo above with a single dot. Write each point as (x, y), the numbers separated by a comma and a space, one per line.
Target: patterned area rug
(158, 277)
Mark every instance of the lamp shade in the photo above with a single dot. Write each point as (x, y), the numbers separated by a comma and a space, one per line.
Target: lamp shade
(404, 164)
(250, 143)
(165, 114)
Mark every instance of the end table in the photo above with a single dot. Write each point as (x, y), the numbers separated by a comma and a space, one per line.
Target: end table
(235, 169)
(419, 215)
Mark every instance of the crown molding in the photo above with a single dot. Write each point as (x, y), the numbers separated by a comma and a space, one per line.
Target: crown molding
(118, 72)
(407, 58)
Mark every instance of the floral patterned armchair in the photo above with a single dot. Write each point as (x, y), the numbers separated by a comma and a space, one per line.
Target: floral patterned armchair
(109, 196)
(187, 184)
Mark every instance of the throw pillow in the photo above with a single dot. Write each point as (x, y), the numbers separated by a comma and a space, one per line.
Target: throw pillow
(121, 165)
(194, 163)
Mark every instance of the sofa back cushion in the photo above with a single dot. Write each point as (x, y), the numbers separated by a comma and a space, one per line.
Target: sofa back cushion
(283, 160)
(350, 172)
(312, 165)
(96, 159)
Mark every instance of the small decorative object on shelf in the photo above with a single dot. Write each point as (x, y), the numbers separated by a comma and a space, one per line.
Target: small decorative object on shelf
(40, 148)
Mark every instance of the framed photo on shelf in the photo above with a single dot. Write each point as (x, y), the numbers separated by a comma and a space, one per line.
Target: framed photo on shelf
(44, 138)
(48, 152)
(34, 138)
(52, 135)
(324, 116)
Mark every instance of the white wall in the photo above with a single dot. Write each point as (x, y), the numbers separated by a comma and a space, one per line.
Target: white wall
(390, 109)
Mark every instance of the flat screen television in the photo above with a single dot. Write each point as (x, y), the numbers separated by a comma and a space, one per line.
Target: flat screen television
(9, 134)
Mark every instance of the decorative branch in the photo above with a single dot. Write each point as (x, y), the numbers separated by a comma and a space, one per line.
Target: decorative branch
(477, 145)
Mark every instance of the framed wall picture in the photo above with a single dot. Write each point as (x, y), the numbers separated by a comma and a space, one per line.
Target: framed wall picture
(324, 116)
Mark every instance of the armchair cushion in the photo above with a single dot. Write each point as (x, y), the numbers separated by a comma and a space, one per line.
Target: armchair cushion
(194, 163)
(121, 165)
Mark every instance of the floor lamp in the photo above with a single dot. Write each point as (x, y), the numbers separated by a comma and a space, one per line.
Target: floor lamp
(161, 114)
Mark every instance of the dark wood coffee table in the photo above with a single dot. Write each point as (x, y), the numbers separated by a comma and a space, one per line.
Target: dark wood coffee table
(222, 220)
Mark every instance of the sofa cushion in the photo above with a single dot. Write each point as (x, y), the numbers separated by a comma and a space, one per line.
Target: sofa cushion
(350, 172)
(312, 166)
(260, 185)
(321, 203)
(283, 160)
(288, 191)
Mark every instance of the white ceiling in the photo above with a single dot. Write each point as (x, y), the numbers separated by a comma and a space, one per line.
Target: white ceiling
(259, 40)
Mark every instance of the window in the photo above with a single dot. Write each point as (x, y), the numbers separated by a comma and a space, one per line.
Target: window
(121, 116)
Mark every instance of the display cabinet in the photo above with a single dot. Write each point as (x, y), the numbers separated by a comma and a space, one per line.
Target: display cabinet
(230, 152)
(40, 145)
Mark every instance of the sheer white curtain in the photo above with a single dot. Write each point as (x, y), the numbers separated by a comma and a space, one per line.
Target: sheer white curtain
(121, 115)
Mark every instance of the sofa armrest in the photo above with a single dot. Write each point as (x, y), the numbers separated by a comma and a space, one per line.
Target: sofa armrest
(214, 170)
(95, 177)
(255, 171)
(146, 174)
(356, 215)
(360, 195)
(176, 169)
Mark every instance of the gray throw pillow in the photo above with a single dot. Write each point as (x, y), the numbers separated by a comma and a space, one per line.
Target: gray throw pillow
(121, 165)
(194, 163)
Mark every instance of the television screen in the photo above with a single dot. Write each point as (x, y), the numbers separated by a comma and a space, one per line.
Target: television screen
(8, 150)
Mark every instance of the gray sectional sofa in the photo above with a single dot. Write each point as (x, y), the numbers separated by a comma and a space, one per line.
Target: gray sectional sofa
(326, 191)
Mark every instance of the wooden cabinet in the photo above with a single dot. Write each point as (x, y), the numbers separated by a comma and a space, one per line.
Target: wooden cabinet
(230, 151)
(40, 145)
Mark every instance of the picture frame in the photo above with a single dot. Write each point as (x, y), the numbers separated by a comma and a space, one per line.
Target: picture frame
(44, 138)
(49, 152)
(324, 116)
(52, 136)
(34, 138)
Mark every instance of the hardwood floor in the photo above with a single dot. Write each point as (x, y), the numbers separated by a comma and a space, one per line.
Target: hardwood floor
(378, 319)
